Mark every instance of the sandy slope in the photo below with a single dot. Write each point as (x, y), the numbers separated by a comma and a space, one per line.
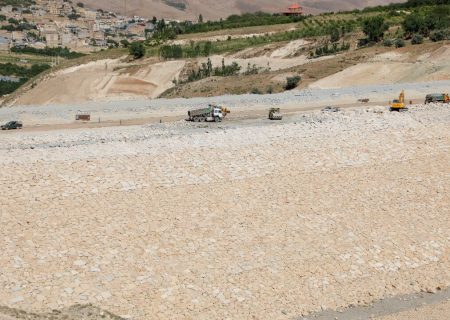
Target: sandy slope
(104, 80)
(112, 80)
(393, 67)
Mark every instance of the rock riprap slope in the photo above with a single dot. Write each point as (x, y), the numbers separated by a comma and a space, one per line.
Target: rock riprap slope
(238, 221)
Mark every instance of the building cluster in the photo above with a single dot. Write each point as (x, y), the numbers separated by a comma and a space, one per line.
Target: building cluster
(62, 23)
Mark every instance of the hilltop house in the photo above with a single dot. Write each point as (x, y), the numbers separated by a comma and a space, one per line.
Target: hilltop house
(295, 10)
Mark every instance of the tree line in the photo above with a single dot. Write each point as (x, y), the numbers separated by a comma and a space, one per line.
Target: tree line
(23, 73)
(47, 51)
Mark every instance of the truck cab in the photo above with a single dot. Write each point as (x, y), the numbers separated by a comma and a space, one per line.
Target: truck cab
(217, 114)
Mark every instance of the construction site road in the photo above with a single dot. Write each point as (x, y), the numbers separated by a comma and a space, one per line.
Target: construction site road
(131, 112)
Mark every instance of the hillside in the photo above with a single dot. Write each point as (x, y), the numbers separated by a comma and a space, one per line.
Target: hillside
(218, 9)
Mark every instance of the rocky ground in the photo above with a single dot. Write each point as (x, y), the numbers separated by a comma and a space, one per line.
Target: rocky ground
(244, 219)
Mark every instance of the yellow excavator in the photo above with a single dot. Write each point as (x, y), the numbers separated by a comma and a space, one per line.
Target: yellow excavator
(398, 104)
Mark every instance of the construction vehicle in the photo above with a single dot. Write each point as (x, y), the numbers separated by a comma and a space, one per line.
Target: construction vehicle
(12, 125)
(83, 117)
(437, 97)
(399, 104)
(225, 111)
(275, 114)
(210, 114)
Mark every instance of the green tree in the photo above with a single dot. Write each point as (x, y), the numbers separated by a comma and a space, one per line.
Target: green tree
(374, 28)
(137, 50)
(335, 35)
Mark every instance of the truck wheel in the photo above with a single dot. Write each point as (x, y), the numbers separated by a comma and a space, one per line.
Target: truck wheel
(216, 119)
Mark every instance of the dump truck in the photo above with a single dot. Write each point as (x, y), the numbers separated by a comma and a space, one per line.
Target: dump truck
(399, 104)
(12, 125)
(437, 97)
(275, 114)
(210, 114)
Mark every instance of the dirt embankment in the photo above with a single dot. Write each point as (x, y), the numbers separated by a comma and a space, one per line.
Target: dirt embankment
(368, 66)
(431, 63)
(114, 79)
(104, 80)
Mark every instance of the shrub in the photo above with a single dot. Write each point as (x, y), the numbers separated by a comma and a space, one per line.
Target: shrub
(438, 35)
(137, 50)
(255, 91)
(417, 39)
(388, 43)
(399, 43)
(292, 82)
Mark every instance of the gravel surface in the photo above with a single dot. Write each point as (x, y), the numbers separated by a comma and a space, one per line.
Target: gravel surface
(239, 220)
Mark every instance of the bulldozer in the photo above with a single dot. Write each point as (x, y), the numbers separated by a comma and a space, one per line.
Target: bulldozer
(399, 104)
(275, 114)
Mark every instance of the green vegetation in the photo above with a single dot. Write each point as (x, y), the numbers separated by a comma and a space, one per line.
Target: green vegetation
(7, 87)
(327, 49)
(207, 48)
(292, 82)
(23, 73)
(17, 3)
(374, 28)
(410, 4)
(399, 43)
(54, 52)
(16, 25)
(137, 50)
(425, 21)
(206, 70)
(9, 69)
(237, 21)
(440, 35)
(256, 91)
(417, 39)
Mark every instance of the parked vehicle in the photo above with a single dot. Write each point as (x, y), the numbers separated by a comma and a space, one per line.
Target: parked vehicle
(437, 97)
(275, 114)
(210, 114)
(83, 117)
(12, 125)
